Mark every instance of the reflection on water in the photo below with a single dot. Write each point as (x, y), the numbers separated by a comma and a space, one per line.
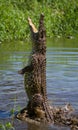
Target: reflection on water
(25, 126)
(62, 77)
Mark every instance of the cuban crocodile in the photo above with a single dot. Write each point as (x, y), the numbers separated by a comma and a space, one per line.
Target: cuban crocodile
(35, 74)
(38, 108)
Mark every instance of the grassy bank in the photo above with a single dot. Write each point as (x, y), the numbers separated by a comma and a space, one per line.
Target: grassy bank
(61, 17)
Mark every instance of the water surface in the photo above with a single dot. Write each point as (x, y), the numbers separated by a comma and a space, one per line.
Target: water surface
(62, 77)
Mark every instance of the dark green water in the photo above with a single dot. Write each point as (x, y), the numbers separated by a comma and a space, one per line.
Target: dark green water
(62, 77)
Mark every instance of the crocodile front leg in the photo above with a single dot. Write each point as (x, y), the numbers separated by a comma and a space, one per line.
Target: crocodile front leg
(25, 69)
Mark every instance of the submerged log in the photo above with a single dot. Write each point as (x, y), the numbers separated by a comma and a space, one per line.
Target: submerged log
(38, 109)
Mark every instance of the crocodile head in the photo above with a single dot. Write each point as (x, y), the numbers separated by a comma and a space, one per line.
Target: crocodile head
(38, 36)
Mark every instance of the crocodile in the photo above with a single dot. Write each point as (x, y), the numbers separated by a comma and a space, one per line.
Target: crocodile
(38, 108)
(35, 75)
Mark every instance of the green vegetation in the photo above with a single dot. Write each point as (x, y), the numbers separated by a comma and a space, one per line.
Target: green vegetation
(7, 126)
(61, 17)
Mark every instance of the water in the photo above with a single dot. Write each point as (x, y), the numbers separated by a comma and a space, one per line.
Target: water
(62, 78)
